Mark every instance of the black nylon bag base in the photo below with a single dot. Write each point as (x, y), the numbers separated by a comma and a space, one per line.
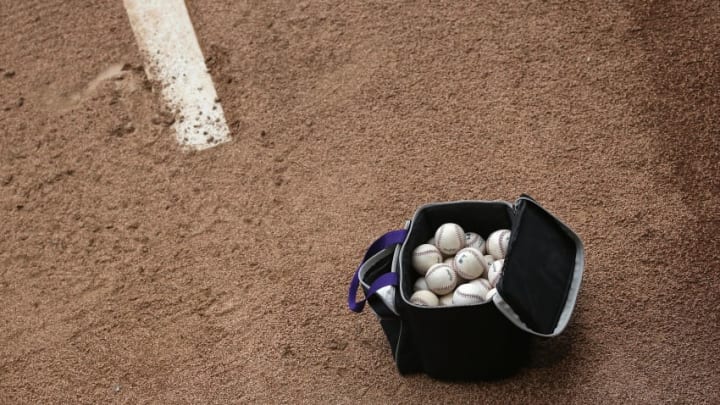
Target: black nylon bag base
(461, 343)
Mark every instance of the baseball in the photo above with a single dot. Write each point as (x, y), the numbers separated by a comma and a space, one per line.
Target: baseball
(469, 263)
(450, 261)
(495, 271)
(420, 284)
(490, 294)
(489, 259)
(425, 256)
(446, 300)
(483, 282)
(441, 279)
(424, 298)
(467, 294)
(449, 238)
(497, 243)
(474, 240)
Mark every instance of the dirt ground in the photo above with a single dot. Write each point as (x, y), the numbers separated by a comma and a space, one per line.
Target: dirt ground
(134, 272)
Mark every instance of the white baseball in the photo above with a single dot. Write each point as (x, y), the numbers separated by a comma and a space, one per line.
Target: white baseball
(490, 294)
(431, 241)
(450, 261)
(469, 263)
(425, 256)
(473, 239)
(446, 300)
(489, 259)
(424, 298)
(497, 243)
(420, 284)
(495, 271)
(467, 294)
(483, 282)
(441, 279)
(449, 238)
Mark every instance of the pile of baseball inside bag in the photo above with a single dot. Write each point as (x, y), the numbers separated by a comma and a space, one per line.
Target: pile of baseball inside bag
(456, 267)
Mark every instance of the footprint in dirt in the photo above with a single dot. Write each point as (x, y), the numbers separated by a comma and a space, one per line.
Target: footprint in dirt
(126, 79)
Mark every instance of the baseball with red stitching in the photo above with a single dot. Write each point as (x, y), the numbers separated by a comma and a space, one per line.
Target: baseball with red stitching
(483, 282)
(441, 279)
(497, 243)
(473, 239)
(469, 293)
(420, 284)
(495, 271)
(449, 238)
(488, 259)
(424, 298)
(469, 263)
(425, 256)
(446, 300)
(450, 261)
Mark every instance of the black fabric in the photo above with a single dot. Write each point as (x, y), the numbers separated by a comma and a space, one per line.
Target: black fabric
(457, 343)
(478, 342)
(401, 346)
(382, 266)
(391, 327)
(408, 356)
(465, 343)
(389, 321)
(538, 268)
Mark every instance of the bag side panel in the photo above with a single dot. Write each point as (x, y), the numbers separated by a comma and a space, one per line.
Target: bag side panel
(458, 343)
(466, 343)
(539, 269)
(389, 320)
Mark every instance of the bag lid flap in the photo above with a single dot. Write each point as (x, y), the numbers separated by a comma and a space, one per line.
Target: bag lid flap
(542, 271)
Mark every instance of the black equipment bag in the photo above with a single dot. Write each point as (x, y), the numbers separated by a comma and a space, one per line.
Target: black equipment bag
(536, 292)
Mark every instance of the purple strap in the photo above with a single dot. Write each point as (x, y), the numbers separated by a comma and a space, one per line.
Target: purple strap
(388, 240)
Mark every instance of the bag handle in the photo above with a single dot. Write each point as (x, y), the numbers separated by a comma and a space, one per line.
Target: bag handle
(386, 241)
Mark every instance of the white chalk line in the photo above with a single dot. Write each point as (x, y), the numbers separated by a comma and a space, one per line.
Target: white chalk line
(166, 37)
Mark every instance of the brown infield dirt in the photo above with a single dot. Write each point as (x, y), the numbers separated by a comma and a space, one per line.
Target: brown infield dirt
(134, 272)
